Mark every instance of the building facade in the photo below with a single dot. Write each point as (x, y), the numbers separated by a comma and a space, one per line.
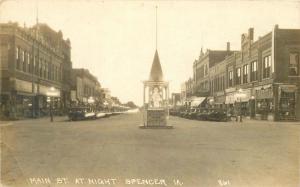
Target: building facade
(202, 66)
(85, 88)
(261, 80)
(33, 62)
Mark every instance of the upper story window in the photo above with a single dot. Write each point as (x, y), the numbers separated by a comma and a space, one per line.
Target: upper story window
(230, 80)
(267, 67)
(294, 64)
(23, 56)
(17, 53)
(238, 76)
(205, 70)
(245, 73)
(24, 59)
(253, 75)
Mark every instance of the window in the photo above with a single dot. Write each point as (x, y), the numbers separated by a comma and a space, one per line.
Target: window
(23, 56)
(267, 67)
(18, 57)
(45, 69)
(205, 70)
(230, 80)
(245, 73)
(238, 76)
(24, 61)
(33, 67)
(294, 64)
(28, 63)
(17, 53)
(40, 67)
(253, 75)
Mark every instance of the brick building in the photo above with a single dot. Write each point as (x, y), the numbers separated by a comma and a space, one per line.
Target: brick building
(262, 79)
(85, 86)
(201, 68)
(33, 60)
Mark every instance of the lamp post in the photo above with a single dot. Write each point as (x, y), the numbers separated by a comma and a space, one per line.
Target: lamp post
(51, 93)
(239, 97)
(252, 107)
(91, 101)
(211, 102)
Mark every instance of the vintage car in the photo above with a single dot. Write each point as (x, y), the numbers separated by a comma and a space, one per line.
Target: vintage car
(184, 113)
(193, 113)
(202, 114)
(217, 115)
(80, 113)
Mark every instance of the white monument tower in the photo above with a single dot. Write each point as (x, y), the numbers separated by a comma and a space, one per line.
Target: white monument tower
(156, 96)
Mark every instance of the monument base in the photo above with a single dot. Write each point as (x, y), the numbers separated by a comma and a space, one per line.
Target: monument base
(156, 127)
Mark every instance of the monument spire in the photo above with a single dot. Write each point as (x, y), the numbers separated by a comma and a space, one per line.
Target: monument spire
(156, 73)
(36, 19)
(156, 27)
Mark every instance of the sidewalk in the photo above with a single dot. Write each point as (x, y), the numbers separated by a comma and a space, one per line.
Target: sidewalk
(33, 120)
(5, 123)
(247, 120)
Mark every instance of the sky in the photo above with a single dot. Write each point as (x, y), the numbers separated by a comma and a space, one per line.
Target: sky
(115, 40)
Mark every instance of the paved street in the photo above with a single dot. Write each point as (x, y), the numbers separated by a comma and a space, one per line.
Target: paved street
(113, 150)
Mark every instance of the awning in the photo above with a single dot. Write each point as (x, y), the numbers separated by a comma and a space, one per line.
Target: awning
(197, 101)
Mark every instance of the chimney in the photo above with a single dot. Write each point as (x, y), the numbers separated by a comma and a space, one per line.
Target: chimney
(228, 46)
(251, 33)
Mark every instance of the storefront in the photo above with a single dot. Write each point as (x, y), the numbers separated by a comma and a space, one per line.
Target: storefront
(220, 100)
(237, 101)
(230, 100)
(264, 101)
(195, 102)
(287, 102)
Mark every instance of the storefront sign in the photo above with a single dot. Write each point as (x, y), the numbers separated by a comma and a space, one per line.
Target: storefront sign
(73, 95)
(228, 90)
(264, 93)
(288, 88)
(220, 93)
(243, 96)
(220, 99)
(23, 86)
(230, 99)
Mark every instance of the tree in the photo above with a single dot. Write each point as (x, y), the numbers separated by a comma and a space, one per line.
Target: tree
(130, 104)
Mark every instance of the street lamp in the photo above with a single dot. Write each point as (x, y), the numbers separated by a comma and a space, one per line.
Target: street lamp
(239, 96)
(51, 93)
(211, 102)
(91, 100)
(252, 107)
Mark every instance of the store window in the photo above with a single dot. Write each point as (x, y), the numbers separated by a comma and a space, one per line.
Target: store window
(230, 80)
(267, 67)
(294, 64)
(245, 73)
(238, 76)
(253, 75)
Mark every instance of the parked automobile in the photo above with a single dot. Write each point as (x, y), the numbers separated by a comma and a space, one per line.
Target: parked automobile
(184, 113)
(217, 115)
(80, 113)
(202, 114)
(193, 113)
(100, 114)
